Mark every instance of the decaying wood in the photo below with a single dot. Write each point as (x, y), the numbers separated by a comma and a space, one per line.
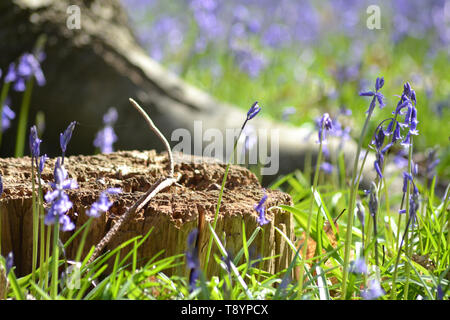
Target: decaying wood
(172, 213)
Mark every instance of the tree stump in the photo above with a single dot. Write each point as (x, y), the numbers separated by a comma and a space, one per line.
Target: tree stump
(172, 214)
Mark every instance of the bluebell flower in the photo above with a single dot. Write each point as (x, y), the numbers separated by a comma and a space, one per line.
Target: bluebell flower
(110, 117)
(406, 177)
(35, 142)
(324, 124)
(106, 137)
(253, 111)
(326, 167)
(379, 139)
(439, 293)
(374, 291)
(379, 83)
(11, 75)
(103, 203)
(192, 259)
(1, 185)
(378, 164)
(358, 266)
(287, 112)
(42, 160)
(65, 137)
(377, 96)
(9, 262)
(28, 66)
(60, 203)
(7, 116)
(261, 209)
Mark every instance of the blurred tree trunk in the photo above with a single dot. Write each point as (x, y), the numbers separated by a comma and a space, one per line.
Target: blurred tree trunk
(101, 65)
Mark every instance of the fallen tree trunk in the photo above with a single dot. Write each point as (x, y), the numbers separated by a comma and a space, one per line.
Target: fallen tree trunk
(172, 214)
(102, 65)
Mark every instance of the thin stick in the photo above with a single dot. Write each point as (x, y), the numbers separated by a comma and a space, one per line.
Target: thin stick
(159, 185)
(157, 132)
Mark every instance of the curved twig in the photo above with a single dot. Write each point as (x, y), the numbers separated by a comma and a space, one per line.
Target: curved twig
(159, 185)
(157, 132)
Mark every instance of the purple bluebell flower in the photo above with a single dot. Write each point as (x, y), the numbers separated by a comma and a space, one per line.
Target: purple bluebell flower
(406, 177)
(28, 66)
(374, 291)
(105, 139)
(192, 259)
(358, 266)
(439, 293)
(7, 116)
(11, 75)
(324, 124)
(42, 160)
(377, 96)
(338, 131)
(326, 167)
(253, 111)
(1, 185)
(379, 139)
(60, 203)
(110, 117)
(287, 112)
(65, 137)
(407, 89)
(261, 209)
(378, 164)
(35, 142)
(9, 262)
(379, 83)
(103, 203)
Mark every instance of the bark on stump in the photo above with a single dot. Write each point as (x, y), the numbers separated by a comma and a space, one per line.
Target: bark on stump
(173, 213)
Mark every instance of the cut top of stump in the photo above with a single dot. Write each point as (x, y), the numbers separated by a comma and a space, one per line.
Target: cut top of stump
(172, 213)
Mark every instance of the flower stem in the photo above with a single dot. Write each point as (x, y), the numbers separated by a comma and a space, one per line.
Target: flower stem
(408, 245)
(55, 260)
(350, 213)
(308, 225)
(219, 201)
(3, 94)
(23, 118)
(35, 223)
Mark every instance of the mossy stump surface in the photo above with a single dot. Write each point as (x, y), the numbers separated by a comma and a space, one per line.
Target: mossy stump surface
(172, 214)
